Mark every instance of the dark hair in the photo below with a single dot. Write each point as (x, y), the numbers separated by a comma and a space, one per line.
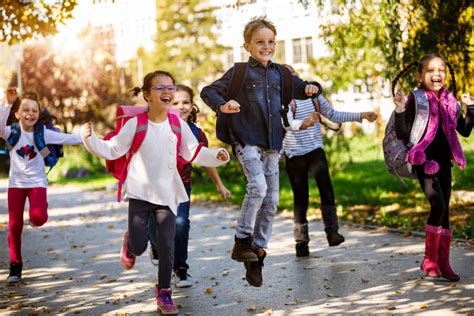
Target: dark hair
(257, 23)
(420, 64)
(195, 110)
(147, 81)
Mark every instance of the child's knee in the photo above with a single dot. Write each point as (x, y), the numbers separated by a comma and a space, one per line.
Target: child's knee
(257, 189)
(39, 219)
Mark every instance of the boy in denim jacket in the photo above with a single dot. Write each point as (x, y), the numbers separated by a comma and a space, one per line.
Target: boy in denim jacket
(256, 128)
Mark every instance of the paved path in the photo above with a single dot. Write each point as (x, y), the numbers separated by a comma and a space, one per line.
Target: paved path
(71, 266)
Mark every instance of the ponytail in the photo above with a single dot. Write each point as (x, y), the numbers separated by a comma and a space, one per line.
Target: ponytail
(401, 73)
(453, 79)
(134, 91)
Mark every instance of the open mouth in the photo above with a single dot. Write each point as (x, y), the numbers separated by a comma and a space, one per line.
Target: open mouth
(166, 99)
(437, 80)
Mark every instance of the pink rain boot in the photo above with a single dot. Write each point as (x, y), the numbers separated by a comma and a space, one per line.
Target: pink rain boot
(429, 265)
(443, 256)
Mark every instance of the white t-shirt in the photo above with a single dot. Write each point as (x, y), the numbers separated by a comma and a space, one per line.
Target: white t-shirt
(152, 174)
(27, 168)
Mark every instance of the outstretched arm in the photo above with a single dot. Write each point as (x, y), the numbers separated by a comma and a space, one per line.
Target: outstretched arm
(465, 124)
(216, 179)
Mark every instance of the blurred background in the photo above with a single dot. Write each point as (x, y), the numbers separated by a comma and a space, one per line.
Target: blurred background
(83, 56)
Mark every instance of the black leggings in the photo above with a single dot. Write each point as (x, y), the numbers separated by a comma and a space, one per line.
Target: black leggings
(298, 169)
(437, 189)
(138, 216)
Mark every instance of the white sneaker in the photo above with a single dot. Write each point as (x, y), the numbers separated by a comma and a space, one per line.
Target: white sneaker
(154, 257)
(181, 278)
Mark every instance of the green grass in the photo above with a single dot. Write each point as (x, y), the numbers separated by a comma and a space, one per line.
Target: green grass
(365, 191)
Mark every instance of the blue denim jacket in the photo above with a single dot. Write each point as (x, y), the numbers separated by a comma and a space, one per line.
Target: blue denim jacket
(259, 122)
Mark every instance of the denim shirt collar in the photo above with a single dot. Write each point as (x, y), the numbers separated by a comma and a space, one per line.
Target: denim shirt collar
(254, 63)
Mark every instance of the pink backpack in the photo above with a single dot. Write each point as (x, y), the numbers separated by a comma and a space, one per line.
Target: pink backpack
(119, 167)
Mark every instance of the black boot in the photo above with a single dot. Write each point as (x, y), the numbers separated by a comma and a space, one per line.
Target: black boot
(331, 226)
(253, 275)
(242, 250)
(300, 232)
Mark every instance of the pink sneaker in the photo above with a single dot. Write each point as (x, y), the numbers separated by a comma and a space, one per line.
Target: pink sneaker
(165, 302)
(127, 259)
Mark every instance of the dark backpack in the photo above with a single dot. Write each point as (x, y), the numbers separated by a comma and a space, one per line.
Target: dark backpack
(223, 123)
(50, 153)
(394, 149)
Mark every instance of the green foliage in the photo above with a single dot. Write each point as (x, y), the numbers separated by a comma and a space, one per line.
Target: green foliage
(185, 42)
(375, 39)
(365, 191)
(22, 20)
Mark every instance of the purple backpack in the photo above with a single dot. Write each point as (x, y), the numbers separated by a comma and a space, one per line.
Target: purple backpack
(394, 149)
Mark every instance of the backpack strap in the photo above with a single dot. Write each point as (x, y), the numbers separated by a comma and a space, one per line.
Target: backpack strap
(140, 133)
(194, 129)
(14, 136)
(176, 128)
(421, 117)
(236, 82)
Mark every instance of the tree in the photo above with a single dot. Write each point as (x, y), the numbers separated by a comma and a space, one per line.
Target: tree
(85, 85)
(185, 42)
(373, 38)
(22, 20)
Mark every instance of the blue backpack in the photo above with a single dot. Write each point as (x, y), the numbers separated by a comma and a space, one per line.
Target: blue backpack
(50, 153)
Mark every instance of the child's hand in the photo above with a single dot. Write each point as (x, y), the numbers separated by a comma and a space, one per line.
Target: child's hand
(222, 155)
(12, 95)
(310, 121)
(311, 90)
(231, 106)
(86, 130)
(369, 116)
(400, 101)
(225, 193)
(467, 99)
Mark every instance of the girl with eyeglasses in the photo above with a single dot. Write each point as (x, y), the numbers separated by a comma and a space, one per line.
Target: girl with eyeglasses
(153, 186)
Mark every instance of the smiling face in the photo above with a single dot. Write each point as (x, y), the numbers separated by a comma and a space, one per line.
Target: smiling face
(261, 45)
(183, 103)
(160, 99)
(28, 114)
(433, 74)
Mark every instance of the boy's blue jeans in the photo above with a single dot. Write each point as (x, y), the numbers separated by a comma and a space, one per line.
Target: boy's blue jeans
(261, 199)
(181, 238)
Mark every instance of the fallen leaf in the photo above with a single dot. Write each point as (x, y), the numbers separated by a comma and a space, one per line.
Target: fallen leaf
(398, 292)
(225, 273)
(209, 290)
(407, 233)
(252, 308)
(364, 280)
(110, 226)
(390, 307)
(423, 306)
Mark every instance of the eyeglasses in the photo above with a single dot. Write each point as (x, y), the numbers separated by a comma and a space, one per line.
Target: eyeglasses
(161, 88)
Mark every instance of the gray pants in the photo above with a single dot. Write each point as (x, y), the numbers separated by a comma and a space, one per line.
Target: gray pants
(138, 216)
(261, 199)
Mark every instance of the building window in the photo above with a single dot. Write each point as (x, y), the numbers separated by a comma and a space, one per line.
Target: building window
(302, 49)
(297, 51)
(280, 52)
(309, 48)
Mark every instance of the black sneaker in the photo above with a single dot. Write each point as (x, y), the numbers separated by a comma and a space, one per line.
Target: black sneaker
(181, 278)
(154, 256)
(15, 272)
